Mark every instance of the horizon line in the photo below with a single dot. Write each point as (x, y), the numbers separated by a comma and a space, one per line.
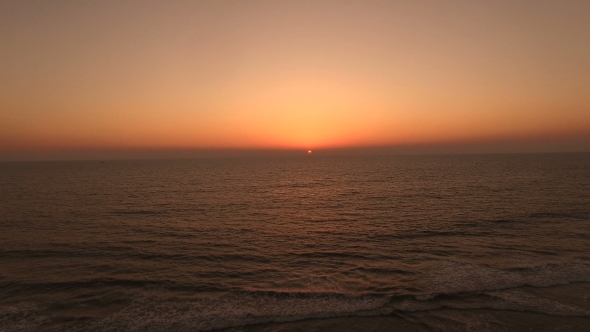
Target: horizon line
(474, 148)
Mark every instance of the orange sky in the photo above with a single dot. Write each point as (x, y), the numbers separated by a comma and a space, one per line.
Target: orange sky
(96, 75)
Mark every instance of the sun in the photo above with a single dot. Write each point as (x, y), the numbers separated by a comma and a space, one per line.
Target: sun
(308, 151)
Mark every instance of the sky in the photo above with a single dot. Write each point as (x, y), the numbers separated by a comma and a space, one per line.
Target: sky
(82, 77)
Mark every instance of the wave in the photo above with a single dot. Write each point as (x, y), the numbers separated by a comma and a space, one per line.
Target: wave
(230, 310)
(155, 313)
(102, 284)
(551, 215)
(456, 277)
(137, 212)
(444, 277)
(450, 284)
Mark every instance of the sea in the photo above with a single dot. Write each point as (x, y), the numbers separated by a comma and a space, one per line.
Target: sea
(297, 243)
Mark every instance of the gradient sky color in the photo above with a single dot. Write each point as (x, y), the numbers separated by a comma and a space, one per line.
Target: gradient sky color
(100, 75)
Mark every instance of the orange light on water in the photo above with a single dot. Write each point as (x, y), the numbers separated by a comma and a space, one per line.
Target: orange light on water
(308, 151)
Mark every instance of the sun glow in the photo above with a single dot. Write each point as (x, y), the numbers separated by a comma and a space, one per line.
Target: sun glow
(285, 75)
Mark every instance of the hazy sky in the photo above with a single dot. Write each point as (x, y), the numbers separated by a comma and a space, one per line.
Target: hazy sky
(100, 75)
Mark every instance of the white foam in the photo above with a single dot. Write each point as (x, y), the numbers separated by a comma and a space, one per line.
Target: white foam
(519, 300)
(234, 310)
(455, 277)
(508, 299)
(21, 317)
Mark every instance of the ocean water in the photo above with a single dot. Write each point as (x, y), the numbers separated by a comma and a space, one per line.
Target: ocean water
(241, 243)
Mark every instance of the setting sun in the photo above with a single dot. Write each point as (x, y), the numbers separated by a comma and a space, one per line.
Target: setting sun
(286, 75)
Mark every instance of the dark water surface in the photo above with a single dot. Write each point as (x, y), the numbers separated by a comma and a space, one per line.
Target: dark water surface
(224, 243)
